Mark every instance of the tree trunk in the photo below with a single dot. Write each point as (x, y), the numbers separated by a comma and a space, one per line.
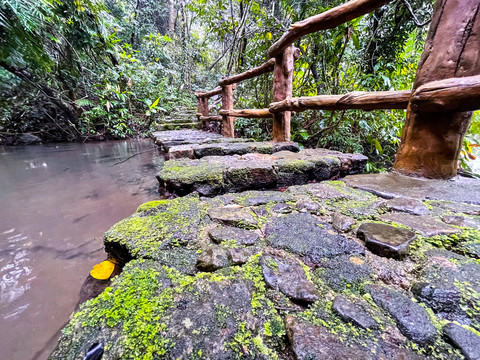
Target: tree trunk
(171, 17)
(431, 142)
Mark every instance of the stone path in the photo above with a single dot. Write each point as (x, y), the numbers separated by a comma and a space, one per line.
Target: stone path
(213, 175)
(319, 271)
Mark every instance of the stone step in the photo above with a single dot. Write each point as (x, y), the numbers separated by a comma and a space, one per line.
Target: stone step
(166, 139)
(213, 175)
(179, 126)
(197, 151)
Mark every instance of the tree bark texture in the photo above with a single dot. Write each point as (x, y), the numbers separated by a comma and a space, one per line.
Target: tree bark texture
(431, 141)
(282, 89)
(326, 20)
(227, 104)
(354, 100)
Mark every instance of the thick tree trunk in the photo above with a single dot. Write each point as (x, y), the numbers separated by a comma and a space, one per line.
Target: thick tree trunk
(431, 141)
(171, 17)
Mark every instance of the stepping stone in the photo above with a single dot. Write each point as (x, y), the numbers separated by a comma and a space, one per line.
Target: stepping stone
(461, 221)
(467, 341)
(213, 175)
(393, 185)
(228, 233)
(343, 272)
(212, 259)
(302, 234)
(468, 209)
(386, 240)
(342, 222)
(411, 206)
(233, 216)
(353, 313)
(167, 139)
(411, 318)
(425, 225)
(287, 275)
(229, 148)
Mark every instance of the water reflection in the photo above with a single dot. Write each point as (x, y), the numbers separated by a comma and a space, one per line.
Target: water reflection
(56, 201)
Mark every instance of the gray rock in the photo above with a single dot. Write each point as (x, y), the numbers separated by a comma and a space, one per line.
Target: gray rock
(28, 139)
(286, 274)
(342, 272)
(309, 206)
(181, 151)
(252, 171)
(310, 342)
(467, 341)
(255, 198)
(282, 208)
(425, 225)
(228, 233)
(468, 209)
(461, 221)
(386, 240)
(411, 206)
(233, 216)
(412, 319)
(342, 222)
(393, 185)
(353, 313)
(302, 234)
(240, 256)
(212, 259)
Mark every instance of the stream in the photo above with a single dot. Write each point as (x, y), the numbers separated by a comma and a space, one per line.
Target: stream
(56, 201)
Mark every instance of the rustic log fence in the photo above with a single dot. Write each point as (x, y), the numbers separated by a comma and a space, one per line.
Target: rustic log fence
(452, 92)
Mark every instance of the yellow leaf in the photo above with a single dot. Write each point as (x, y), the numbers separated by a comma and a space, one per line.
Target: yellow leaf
(268, 35)
(103, 270)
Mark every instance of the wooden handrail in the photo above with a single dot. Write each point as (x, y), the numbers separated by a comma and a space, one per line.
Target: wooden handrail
(326, 20)
(257, 71)
(454, 94)
(207, 94)
(211, 118)
(374, 100)
(248, 113)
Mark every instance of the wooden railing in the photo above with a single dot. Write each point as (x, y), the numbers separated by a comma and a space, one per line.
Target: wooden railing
(456, 94)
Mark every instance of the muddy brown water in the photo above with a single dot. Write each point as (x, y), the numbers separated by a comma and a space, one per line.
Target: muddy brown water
(56, 201)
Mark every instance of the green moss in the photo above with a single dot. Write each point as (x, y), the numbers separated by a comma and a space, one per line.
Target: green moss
(176, 222)
(151, 205)
(188, 171)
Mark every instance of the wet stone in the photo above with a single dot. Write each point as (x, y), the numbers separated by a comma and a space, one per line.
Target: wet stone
(342, 272)
(407, 205)
(468, 209)
(342, 222)
(302, 234)
(411, 318)
(461, 221)
(212, 259)
(386, 240)
(310, 342)
(282, 208)
(287, 275)
(233, 216)
(181, 151)
(240, 256)
(441, 281)
(467, 341)
(309, 206)
(425, 225)
(228, 233)
(255, 198)
(353, 313)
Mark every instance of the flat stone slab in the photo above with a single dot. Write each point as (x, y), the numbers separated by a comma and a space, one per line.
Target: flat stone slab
(425, 225)
(467, 341)
(197, 151)
(392, 185)
(386, 240)
(166, 139)
(213, 175)
(353, 313)
(239, 236)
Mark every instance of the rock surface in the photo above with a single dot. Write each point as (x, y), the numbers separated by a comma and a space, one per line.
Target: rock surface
(213, 175)
(265, 275)
(412, 319)
(386, 240)
(467, 341)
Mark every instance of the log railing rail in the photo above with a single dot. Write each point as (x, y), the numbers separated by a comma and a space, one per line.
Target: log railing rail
(456, 94)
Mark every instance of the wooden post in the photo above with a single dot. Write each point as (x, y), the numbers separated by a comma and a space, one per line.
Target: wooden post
(282, 89)
(227, 104)
(431, 141)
